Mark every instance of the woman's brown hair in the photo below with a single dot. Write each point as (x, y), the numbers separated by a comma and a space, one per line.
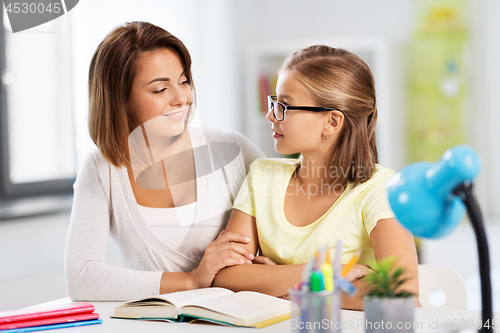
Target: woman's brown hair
(339, 79)
(111, 74)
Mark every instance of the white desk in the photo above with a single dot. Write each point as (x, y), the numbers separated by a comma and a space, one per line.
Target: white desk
(353, 321)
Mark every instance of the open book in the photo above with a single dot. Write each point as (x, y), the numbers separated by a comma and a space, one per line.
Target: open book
(216, 305)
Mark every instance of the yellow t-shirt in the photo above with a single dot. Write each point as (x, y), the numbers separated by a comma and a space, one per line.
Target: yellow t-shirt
(351, 218)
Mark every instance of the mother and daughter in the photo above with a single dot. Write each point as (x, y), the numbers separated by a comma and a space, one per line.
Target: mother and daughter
(164, 187)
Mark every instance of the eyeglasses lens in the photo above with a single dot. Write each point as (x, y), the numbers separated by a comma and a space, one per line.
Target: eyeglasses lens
(279, 111)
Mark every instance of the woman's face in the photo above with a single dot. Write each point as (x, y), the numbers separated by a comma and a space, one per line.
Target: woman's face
(300, 131)
(161, 94)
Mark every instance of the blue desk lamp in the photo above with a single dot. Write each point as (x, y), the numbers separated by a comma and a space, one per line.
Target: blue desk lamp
(430, 200)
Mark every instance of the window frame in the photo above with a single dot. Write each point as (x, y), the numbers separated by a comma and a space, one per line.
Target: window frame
(9, 190)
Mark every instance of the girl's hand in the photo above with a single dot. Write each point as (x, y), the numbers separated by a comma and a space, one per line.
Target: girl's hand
(222, 252)
(357, 272)
(263, 261)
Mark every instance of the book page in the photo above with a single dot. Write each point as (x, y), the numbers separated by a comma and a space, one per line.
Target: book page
(249, 306)
(182, 298)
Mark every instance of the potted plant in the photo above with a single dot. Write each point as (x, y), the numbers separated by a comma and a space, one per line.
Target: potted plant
(387, 307)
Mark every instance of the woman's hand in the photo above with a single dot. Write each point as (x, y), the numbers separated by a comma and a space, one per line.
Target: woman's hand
(222, 252)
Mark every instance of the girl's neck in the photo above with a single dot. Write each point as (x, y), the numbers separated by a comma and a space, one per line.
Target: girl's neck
(313, 175)
(313, 171)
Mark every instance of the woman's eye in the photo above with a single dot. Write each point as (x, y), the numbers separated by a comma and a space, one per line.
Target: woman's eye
(185, 82)
(159, 91)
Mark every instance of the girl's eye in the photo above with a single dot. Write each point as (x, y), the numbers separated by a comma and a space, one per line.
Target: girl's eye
(159, 91)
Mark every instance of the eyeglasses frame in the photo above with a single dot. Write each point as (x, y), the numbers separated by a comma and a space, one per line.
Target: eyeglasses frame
(271, 103)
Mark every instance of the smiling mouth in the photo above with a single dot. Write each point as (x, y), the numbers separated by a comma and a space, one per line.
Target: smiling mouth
(175, 114)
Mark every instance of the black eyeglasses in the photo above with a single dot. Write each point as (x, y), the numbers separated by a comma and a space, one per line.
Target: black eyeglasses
(279, 109)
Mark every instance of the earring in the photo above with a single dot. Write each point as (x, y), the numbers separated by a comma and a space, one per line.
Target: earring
(326, 137)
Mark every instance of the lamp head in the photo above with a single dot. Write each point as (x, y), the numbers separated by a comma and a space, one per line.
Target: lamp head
(421, 194)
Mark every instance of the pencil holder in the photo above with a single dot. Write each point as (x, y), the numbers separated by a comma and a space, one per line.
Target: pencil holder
(315, 311)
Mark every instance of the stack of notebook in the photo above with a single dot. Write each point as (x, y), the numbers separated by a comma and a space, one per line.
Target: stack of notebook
(49, 317)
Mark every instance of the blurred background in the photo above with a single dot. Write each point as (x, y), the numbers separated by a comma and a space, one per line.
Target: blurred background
(437, 77)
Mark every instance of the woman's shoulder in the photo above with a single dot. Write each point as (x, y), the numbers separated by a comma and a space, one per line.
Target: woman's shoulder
(223, 135)
(95, 161)
(231, 140)
(219, 135)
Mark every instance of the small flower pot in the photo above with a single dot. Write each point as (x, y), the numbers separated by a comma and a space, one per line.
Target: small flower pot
(389, 314)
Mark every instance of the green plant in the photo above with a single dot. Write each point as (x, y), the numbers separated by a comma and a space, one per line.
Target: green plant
(385, 280)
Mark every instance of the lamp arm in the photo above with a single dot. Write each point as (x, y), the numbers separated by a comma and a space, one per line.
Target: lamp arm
(464, 192)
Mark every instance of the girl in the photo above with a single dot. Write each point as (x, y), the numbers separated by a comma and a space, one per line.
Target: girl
(325, 109)
(152, 182)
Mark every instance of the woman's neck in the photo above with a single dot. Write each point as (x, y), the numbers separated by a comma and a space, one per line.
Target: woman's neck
(162, 147)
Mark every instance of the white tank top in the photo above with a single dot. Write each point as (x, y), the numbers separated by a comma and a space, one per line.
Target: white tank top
(170, 225)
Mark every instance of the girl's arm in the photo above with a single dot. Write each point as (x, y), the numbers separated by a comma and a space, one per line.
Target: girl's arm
(390, 239)
(273, 280)
(276, 280)
(269, 279)
(400, 246)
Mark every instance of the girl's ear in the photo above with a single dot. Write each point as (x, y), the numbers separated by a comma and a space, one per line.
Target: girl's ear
(333, 123)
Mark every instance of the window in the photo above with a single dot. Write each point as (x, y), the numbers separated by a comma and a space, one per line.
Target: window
(37, 150)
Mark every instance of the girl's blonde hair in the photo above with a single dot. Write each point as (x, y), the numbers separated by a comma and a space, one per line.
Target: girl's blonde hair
(339, 79)
(111, 74)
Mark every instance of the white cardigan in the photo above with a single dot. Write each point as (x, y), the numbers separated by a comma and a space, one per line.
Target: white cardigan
(104, 203)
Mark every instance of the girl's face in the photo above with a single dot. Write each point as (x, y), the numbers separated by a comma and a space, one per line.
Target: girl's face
(300, 131)
(161, 94)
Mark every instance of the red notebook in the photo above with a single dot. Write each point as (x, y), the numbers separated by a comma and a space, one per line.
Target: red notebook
(47, 315)
(49, 321)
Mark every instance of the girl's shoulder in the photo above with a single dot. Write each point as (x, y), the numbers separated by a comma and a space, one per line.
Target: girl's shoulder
(377, 181)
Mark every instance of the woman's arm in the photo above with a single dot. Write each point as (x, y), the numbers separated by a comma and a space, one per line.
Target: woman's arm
(88, 277)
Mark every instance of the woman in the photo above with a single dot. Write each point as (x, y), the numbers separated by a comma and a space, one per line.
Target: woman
(161, 186)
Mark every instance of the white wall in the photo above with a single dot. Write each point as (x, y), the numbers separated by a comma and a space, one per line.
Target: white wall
(286, 21)
(483, 116)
